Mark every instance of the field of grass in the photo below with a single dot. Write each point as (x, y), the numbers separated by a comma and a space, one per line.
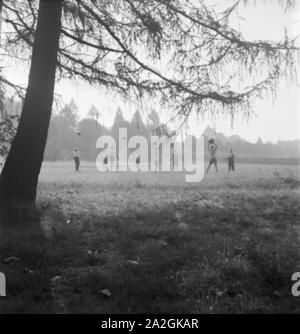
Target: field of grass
(151, 243)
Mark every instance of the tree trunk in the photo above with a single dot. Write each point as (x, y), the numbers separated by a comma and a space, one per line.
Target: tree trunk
(1, 4)
(19, 177)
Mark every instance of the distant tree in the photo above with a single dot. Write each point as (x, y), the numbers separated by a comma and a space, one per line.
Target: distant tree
(119, 122)
(93, 113)
(62, 134)
(70, 114)
(61, 141)
(7, 132)
(119, 118)
(259, 141)
(153, 121)
(9, 118)
(90, 132)
(137, 124)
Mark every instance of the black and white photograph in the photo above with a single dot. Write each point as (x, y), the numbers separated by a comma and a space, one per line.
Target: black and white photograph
(149, 159)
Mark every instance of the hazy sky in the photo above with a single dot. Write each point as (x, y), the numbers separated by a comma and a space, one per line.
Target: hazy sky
(271, 121)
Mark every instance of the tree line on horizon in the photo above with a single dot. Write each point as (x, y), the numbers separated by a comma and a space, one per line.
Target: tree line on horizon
(63, 134)
(67, 132)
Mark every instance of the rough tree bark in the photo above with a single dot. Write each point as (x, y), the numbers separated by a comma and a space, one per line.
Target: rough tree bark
(19, 177)
(1, 3)
(1, 6)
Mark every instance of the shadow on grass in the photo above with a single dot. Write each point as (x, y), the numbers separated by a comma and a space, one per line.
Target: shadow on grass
(177, 259)
(22, 251)
(30, 257)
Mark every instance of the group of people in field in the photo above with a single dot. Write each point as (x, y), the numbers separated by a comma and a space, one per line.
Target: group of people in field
(212, 149)
(111, 157)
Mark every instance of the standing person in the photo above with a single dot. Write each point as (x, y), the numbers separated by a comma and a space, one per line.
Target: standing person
(76, 159)
(138, 159)
(111, 158)
(105, 162)
(172, 155)
(231, 158)
(156, 156)
(212, 148)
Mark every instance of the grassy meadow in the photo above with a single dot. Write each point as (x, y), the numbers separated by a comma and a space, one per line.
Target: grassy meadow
(151, 243)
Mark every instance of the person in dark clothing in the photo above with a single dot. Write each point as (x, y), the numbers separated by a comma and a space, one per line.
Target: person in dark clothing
(138, 159)
(231, 164)
(76, 159)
